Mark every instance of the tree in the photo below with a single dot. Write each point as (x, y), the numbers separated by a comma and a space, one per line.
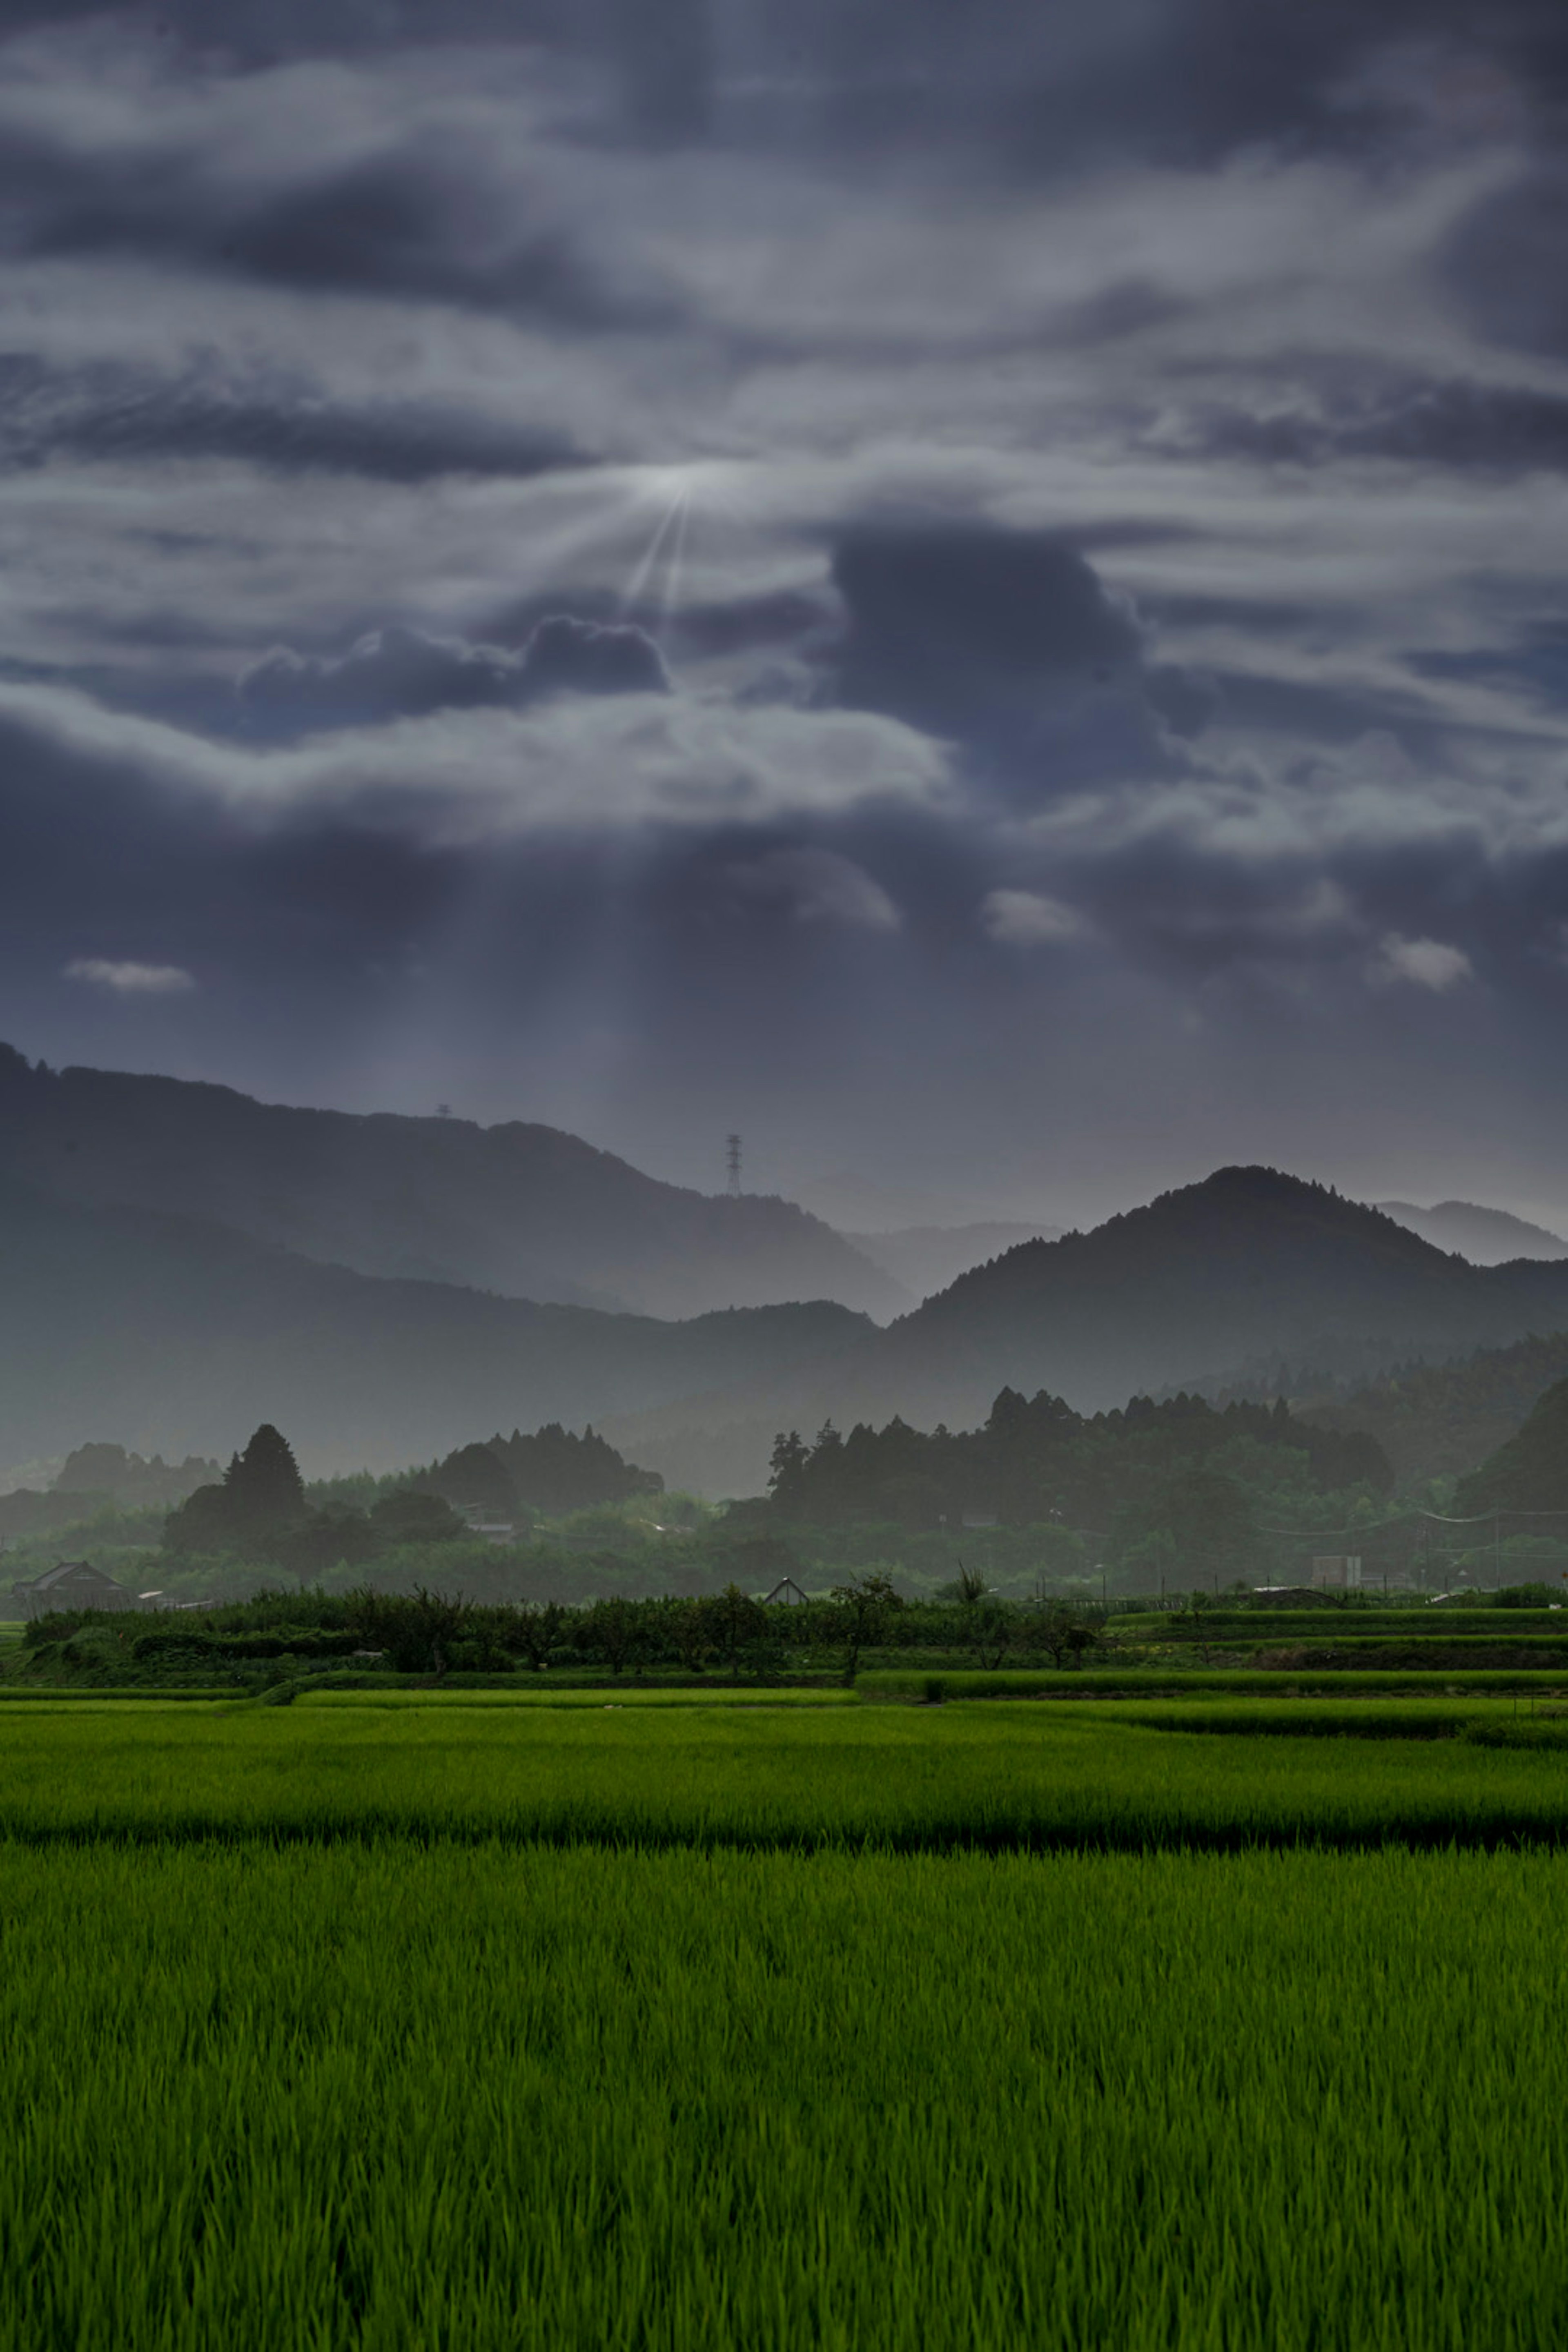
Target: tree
(474, 1478)
(786, 1471)
(1210, 1521)
(418, 1631)
(865, 1604)
(684, 1631)
(1061, 1634)
(264, 1485)
(325, 1538)
(409, 1517)
(261, 1498)
(611, 1630)
(537, 1629)
(732, 1619)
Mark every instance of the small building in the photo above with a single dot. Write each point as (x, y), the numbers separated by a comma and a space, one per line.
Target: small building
(786, 1594)
(1338, 1571)
(71, 1584)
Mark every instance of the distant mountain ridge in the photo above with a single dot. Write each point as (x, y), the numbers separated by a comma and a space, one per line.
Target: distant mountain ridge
(181, 1336)
(1486, 1236)
(525, 1211)
(1249, 1263)
(927, 1258)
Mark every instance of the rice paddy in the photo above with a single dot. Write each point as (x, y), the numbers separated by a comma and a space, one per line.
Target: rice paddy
(642, 2025)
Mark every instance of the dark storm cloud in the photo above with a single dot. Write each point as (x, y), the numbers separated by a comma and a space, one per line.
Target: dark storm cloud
(1461, 424)
(1502, 262)
(422, 220)
(1187, 82)
(401, 673)
(1008, 642)
(408, 223)
(113, 415)
(1180, 279)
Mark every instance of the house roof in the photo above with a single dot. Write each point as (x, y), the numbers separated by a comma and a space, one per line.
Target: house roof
(70, 1571)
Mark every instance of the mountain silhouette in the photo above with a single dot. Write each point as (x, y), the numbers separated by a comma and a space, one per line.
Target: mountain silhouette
(927, 1258)
(1249, 1263)
(1486, 1236)
(523, 1210)
(180, 1336)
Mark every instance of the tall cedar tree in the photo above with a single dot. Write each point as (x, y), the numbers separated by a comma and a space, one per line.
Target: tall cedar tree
(263, 1483)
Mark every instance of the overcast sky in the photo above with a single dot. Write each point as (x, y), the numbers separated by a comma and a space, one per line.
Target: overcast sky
(976, 591)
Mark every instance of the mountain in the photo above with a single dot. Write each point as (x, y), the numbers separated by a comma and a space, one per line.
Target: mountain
(183, 1337)
(1529, 1473)
(522, 1210)
(927, 1258)
(1250, 1262)
(1486, 1236)
(1436, 1421)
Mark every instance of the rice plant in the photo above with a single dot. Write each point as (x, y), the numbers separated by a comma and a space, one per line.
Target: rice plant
(393, 2095)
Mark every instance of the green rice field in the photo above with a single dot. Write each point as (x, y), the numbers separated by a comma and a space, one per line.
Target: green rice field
(466, 2024)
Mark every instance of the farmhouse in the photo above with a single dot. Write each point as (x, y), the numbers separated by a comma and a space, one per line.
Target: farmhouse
(72, 1584)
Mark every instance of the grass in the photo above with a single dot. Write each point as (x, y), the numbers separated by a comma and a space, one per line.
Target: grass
(1414, 1623)
(1267, 1681)
(901, 1779)
(361, 2098)
(551, 2020)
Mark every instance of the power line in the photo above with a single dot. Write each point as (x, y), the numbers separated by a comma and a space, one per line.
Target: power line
(1409, 1519)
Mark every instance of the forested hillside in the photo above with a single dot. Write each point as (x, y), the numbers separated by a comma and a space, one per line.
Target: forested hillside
(1436, 1421)
(1247, 1265)
(1530, 1472)
(523, 1210)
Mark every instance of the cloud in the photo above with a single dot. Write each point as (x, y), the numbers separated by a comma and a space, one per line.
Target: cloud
(399, 672)
(1007, 642)
(1028, 918)
(1457, 424)
(281, 421)
(570, 764)
(1502, 262)
(818, 886)
(131, 978)
(1424, 963)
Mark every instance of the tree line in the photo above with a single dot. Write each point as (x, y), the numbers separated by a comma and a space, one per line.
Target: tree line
(730, 1633)
(1036, 1461)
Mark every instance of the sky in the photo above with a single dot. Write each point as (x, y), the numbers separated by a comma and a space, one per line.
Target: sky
(977, 594)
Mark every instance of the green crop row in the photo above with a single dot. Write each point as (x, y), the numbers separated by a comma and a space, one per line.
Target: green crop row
(907, 1778)
(363, 2098)
(1340, 1624)
(1133, 1682)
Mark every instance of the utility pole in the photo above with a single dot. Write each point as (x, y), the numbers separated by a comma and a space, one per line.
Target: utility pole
(732, 1164)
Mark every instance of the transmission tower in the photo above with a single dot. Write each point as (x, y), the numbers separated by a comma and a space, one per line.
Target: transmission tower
(733, 1163)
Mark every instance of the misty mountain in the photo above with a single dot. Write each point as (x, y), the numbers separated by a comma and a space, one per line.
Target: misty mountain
(522, 1210)
(1486, 1236)
(1530, 1472)
(1249, 1263)
(927, 1258)
(1436, 1421)
(181, 1336)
